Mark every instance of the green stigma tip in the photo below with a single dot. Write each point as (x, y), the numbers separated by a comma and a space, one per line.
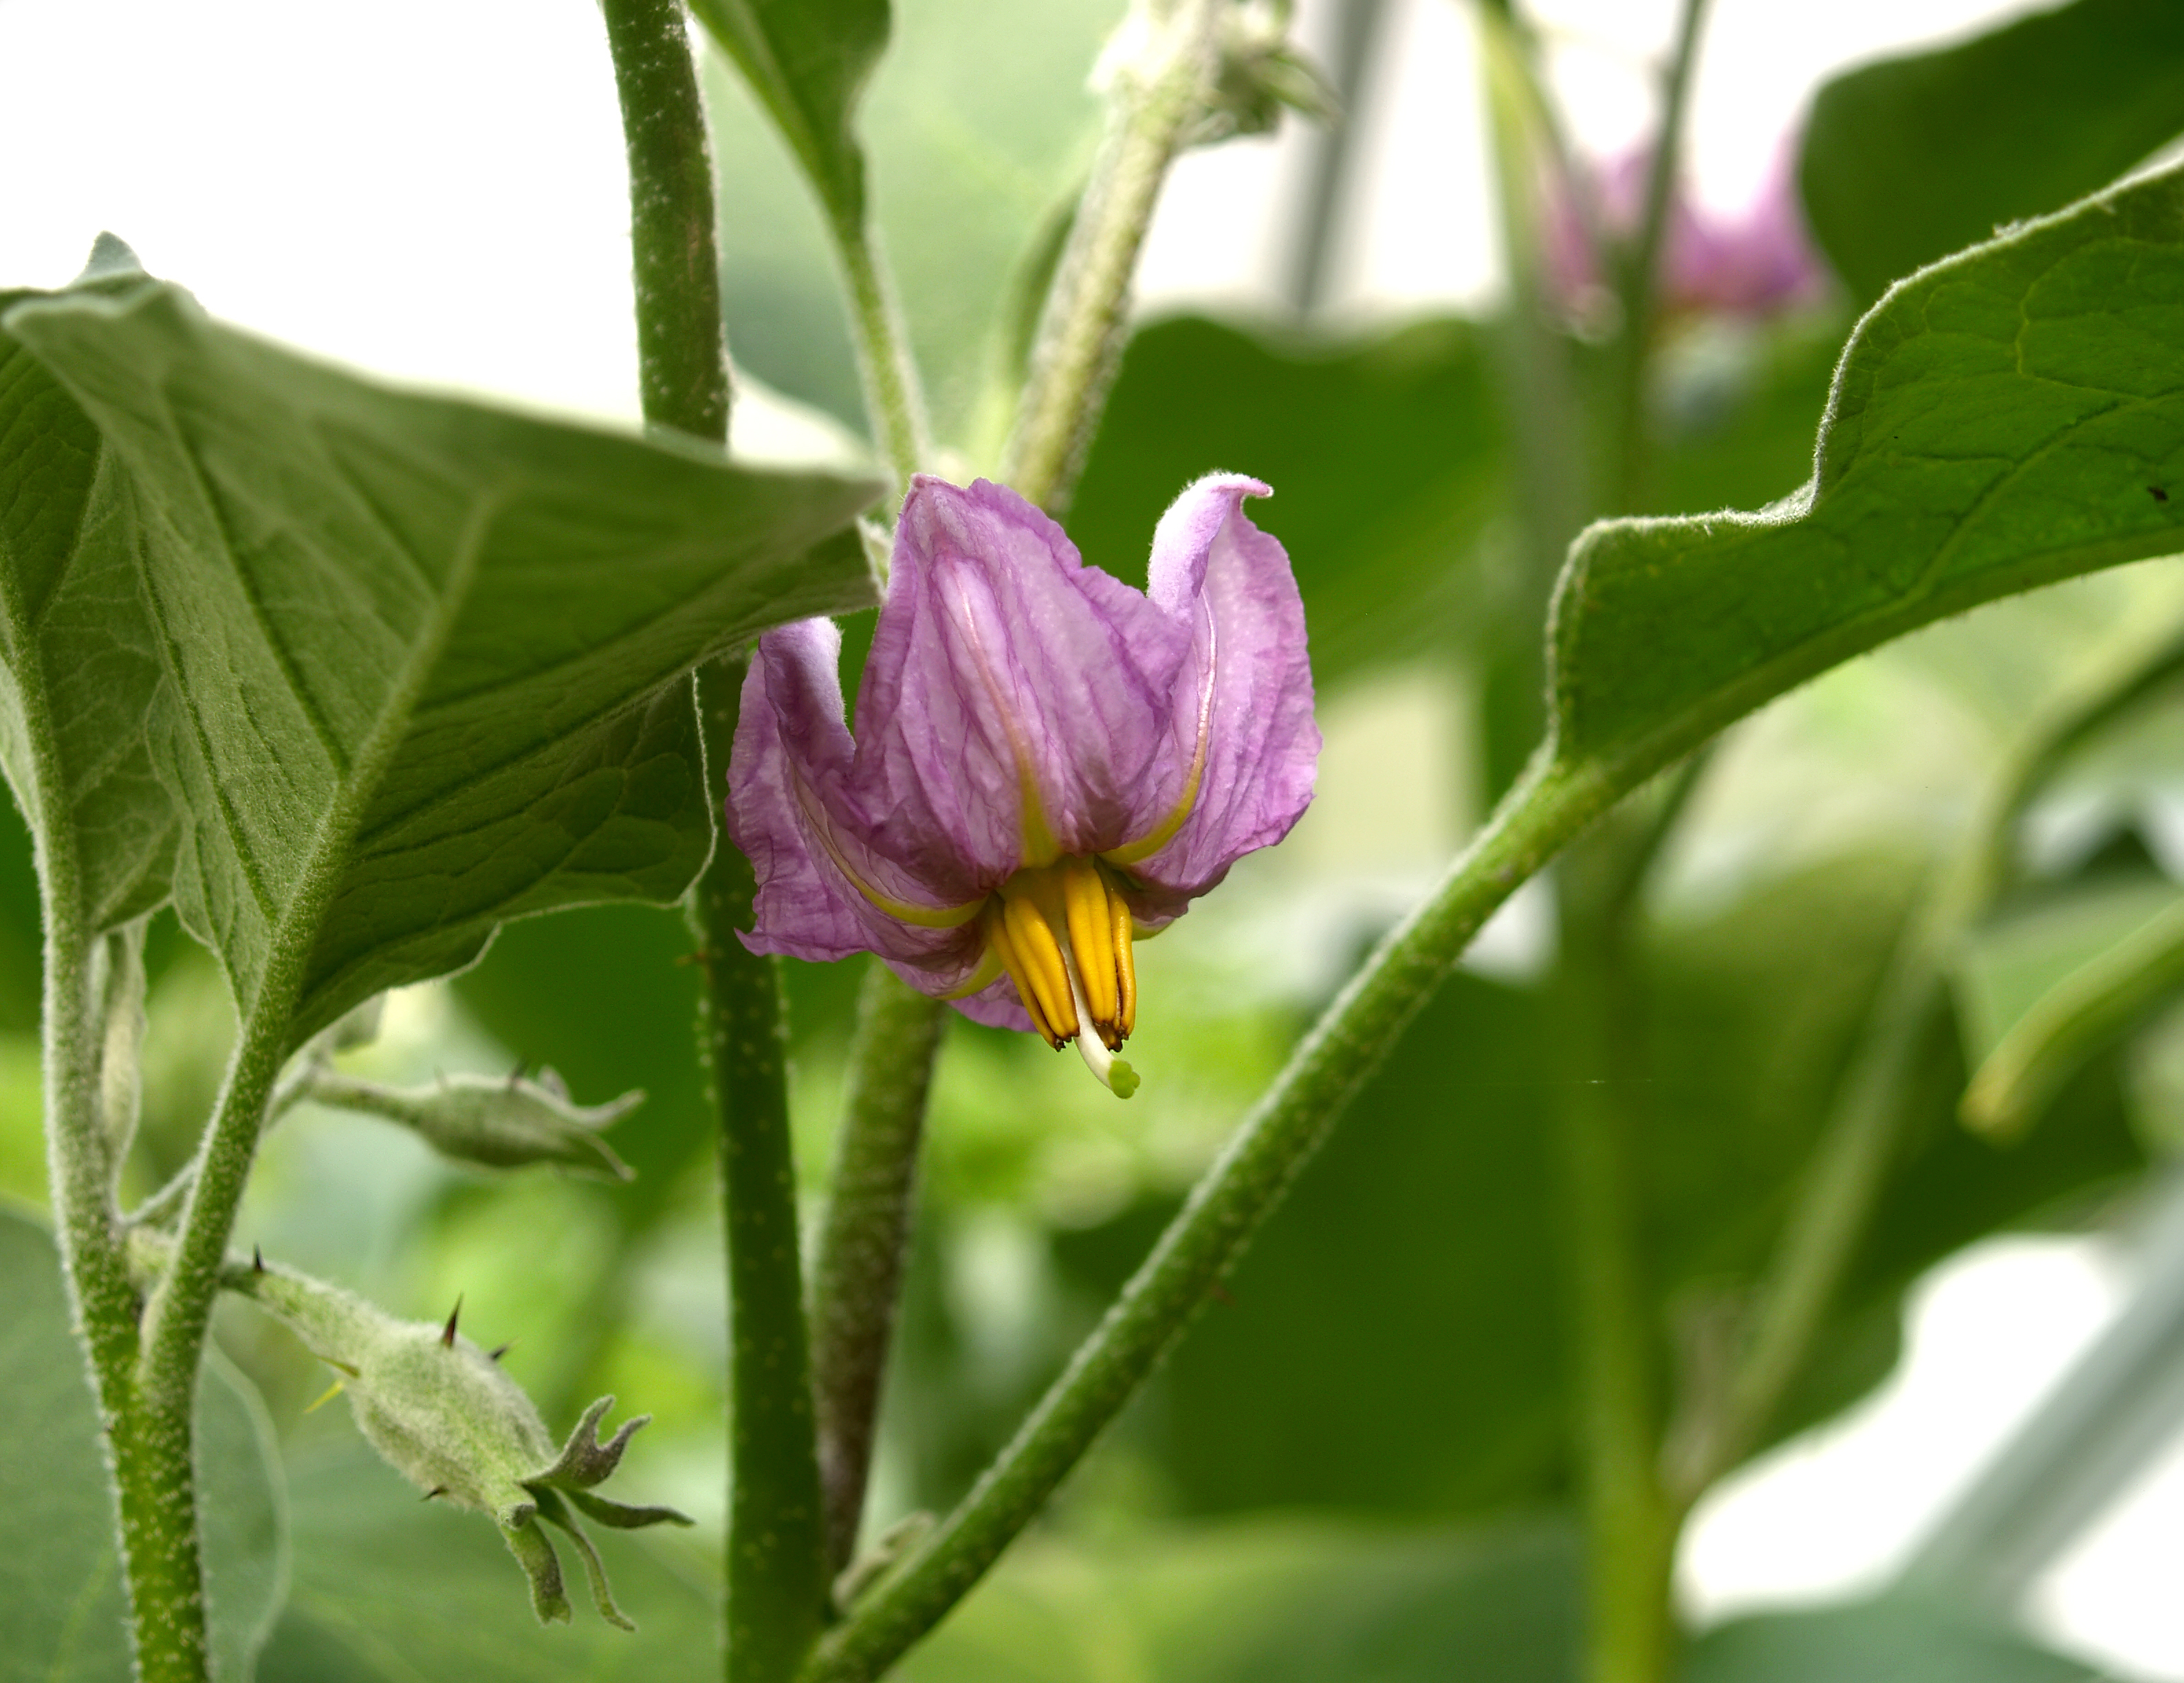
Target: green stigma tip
(1122, 1078)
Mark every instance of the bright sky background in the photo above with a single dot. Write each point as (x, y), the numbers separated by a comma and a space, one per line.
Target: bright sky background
(349, 181)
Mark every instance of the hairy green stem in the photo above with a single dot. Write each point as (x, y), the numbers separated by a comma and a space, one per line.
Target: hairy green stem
(1159, 88)
(895, 400)
(777, 1577)
(857, 1278)
(155, 1480)
(149, 1462)
(1640, 291)
(1552, 804)
(1630, 1523)
(682, 354)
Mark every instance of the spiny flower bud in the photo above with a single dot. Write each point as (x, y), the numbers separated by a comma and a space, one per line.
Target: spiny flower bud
(444, 1414)
(500, 1123)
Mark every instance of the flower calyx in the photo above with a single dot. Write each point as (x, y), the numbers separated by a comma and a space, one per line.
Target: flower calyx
(447, 1416)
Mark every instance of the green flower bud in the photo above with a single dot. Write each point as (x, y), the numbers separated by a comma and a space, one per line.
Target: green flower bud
(445, 1415)
(1263, 72)
(498, 1123)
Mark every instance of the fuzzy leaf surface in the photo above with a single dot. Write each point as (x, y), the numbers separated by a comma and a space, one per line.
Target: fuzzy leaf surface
(808, 61)
(1907, 159)
(421, 653)
(61, 1600)
(79, 649)
(2009, 418)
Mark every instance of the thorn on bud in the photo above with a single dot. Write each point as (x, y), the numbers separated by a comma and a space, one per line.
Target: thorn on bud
(436, 1490)
(447, 1332)
(257, 1260)
(499, 1350)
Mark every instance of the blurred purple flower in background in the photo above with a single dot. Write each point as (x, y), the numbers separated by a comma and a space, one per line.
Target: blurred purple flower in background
(1047, 761)
(1759, 262)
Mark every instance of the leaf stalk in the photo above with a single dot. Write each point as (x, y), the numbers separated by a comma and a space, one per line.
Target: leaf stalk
(777, 1568)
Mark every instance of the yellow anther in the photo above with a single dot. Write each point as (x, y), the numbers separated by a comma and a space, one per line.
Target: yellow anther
(999, 944)
(1126, 966)
(1039, 955)
(1091, 926)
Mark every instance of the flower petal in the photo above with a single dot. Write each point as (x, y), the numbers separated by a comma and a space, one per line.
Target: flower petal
(1242, 705)
(1017, 700)
(823, 889)
(995, 1004)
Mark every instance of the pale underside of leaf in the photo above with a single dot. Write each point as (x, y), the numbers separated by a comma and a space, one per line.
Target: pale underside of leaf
(418, 649)
(77, 634)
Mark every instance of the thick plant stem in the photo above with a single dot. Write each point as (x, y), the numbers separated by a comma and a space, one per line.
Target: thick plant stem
(150, 1462)
(1159, 88)
(681, 356)
(1630, 1527)
(858, 1276)
(1552, 805)
(777, 1577)
(1630, 1524)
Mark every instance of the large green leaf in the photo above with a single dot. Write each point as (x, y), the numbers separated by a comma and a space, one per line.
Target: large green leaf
(420, 652)
(61, 1600)
(808, 62)
(1421, 1245)
(1284, 1601)
(391, 1590)
(2009, 418)
(1913, 157)
(82, 661)
(1888, 1639)
(1385, 459)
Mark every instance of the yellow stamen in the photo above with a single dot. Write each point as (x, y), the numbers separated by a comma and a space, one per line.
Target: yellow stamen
(998, 942)
(1126, 965)
(1084, 906)
(1039, 955)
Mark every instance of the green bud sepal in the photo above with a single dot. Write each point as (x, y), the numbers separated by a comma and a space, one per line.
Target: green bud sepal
(495, 1123)
(448, 1418)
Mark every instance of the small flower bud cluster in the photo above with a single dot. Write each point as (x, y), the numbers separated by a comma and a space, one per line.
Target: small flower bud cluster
(448, 1417)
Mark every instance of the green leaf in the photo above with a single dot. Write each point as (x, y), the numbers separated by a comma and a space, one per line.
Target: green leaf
(1437, 1205)
(1894, 1637)
(2007, 418)
(808, 61)
(2091, 1008)
(421, 652)
(1290, 1601)
(967, 167)
(1913, 157)
(1386, 458)
(2008, 964)
(78, 644)
(388, 1589)
(1273, 1601)
(61, 1600)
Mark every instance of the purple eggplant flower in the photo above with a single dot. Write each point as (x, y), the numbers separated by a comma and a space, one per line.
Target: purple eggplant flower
(1048, 762)
(1757, 264)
